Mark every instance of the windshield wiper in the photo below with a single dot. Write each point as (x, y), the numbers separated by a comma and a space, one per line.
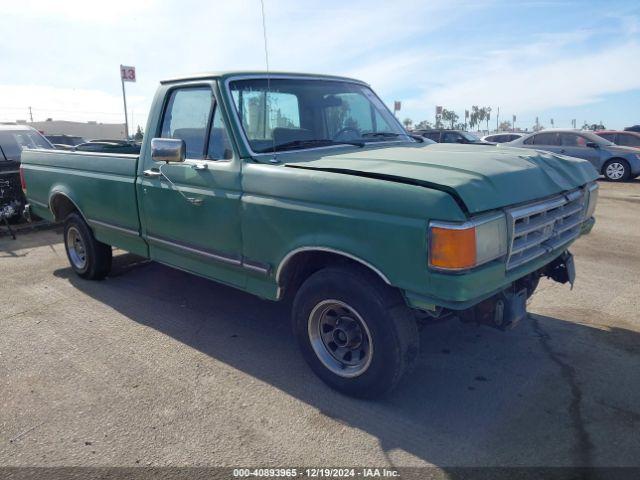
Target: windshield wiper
(319, 142)
(381, 134)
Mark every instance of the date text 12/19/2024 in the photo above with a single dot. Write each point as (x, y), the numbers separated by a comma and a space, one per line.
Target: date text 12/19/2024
(315, 472)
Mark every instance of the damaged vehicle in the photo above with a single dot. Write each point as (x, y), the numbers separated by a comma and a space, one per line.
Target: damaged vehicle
(13, 139)
(306, 189)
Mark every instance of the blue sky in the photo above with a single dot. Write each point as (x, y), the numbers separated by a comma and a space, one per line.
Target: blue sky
(551, 59)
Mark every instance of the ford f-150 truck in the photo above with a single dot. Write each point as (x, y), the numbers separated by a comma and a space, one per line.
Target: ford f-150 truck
(306, 187)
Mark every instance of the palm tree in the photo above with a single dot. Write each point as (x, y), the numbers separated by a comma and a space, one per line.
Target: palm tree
(474, 117)
(487, 116)
(423, 125)
(449, 116)
(482, 113)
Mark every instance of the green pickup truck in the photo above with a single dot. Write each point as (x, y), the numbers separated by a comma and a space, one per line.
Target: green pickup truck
(305, 188)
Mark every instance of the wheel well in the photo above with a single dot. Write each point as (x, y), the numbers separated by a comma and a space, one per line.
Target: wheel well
(622, 160)
(62, 206)
(304, 264)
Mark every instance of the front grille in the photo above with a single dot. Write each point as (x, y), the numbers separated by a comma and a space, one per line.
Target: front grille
(541, 227)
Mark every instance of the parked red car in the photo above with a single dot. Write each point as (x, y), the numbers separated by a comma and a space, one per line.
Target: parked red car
(624, 139)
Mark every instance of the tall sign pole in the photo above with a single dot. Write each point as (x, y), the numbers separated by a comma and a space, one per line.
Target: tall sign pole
(127, 74)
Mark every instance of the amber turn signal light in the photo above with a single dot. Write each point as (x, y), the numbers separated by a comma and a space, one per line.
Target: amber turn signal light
(453, 249)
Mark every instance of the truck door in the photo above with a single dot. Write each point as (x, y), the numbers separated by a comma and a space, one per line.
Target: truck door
(191, 213)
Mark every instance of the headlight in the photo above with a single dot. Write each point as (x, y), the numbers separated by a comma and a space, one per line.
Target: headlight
(455, 246)
(592, 191)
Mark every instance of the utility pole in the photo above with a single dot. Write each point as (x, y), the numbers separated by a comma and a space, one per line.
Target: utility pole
(497, 119)
(30, 114)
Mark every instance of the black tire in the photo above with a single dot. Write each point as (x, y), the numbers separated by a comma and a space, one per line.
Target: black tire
(88, 257)
(389, 326)
(616, 170)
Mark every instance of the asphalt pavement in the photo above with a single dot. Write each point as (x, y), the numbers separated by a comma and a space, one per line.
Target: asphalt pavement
(153, 366)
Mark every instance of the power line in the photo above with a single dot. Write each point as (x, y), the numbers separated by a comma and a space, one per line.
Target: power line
(44, 110)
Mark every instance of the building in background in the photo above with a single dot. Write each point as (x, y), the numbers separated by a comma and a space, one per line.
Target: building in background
(87, 130)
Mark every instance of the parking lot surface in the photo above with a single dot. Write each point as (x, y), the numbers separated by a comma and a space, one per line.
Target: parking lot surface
(154, 366)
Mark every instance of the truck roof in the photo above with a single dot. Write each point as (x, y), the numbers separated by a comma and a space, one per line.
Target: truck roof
(256, 73)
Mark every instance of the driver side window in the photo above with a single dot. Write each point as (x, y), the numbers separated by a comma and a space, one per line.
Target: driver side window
(186, 116)
(572, 140)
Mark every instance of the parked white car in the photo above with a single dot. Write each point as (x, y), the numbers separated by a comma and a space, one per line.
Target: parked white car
(503, 137)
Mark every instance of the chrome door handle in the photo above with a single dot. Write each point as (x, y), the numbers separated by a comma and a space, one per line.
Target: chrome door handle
(200, 166)
(151, 173)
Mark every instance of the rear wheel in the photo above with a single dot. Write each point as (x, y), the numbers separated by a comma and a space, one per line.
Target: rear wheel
(616, 170)
(88, 257)
(355, 332)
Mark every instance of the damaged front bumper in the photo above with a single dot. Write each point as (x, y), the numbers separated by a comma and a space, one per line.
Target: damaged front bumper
(505, 307)
(508, 307)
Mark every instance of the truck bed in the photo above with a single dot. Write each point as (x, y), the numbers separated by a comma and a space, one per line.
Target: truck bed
(86, 179)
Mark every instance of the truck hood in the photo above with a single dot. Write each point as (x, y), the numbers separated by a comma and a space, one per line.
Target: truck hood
(479, 179)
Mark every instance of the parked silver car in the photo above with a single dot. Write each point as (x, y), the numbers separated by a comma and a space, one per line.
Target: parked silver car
(616, 163)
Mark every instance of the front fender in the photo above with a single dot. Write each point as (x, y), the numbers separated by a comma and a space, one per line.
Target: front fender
(634, 163)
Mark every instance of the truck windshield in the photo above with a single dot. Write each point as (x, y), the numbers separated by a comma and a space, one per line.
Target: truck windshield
(13, 141)
(285, 114)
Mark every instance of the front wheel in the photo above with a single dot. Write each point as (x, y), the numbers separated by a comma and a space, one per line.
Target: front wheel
(355, 332)
(617, 170)
(88, 257)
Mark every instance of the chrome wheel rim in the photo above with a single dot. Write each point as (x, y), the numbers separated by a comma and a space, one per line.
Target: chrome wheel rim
(76, 248)
(340, 338)
(615, 171)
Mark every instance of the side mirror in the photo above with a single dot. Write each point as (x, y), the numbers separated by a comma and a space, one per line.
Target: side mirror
(593, 145)
(168, 150)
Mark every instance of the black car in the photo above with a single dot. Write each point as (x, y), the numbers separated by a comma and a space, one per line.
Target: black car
(451, 136)
(635, 128)
(109, 146)
(65, 142)
(13, 138)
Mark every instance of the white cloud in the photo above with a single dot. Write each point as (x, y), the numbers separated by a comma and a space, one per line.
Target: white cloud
(567, 81)
(68, 65)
